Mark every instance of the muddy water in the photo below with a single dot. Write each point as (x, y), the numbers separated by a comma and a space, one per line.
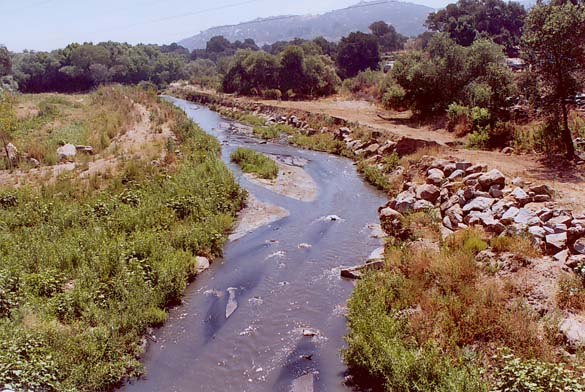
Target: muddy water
(241, 325)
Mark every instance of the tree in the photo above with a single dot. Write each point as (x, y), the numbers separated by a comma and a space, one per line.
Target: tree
(388, 38)
(7, 123)
(468, 20)
(292, 69)
(358, 52)
(5, 62)
(554, 44)
(218, 44)
(380, 28)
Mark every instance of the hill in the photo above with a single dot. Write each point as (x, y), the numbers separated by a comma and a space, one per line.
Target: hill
(407, 18)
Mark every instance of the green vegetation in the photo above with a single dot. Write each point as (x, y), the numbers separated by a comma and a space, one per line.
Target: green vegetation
(431, 321)
(85, 269)
(465, 21)
(324, 142)
(292, 73)
(378, 175)
(252, 162)
(554, 41)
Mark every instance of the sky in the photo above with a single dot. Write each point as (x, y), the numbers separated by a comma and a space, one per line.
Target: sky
(52, 24)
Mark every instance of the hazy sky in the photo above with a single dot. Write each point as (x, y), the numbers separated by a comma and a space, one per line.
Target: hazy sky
(51, 24)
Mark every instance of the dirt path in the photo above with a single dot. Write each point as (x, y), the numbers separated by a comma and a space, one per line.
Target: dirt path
(138, 142)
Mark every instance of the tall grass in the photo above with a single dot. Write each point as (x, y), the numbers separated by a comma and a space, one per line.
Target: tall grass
(84, 270)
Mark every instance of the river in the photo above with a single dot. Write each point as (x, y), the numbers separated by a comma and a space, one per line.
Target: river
(241, 325)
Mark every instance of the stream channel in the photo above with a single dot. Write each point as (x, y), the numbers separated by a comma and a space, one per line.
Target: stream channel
(242, 324)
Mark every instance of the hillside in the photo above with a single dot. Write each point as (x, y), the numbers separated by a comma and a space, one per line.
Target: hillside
(407, 18)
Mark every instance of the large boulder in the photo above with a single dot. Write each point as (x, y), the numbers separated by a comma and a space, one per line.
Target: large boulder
(493, 177)
(66, 152)
(479, 204)
(12, 153)
(435, 176)
(405, 202)
(428, 192)
(573, 327)
(557, 241)
(526, 217)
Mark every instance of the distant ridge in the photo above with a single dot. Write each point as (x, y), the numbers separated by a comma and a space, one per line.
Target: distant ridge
(407, 18)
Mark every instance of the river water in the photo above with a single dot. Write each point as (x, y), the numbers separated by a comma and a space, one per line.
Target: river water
(277, 288)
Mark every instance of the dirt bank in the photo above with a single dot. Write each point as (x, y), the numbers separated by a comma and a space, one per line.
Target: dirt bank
(256, 215)
(292, 181)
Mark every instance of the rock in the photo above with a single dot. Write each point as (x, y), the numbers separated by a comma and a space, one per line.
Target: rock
(526, 217)
(447, 223)
(508, 216)
(541, 190)
(545, 214)
(310, 332)
(579, 246)
(496, 192)
(331, 218)
(202, 264)
(304, 383)
(84, 149)
(479, 204)
(537, 231)
(453, 200)
(376, 255)
(428, 192)
(389, 214)
(34, 162)
(371, 149)
(305, 246)
(562, 256)
(492, 225)
(358, 271)
(493, 177)
(422, 205)
(575, 261)
(449, 168)
(66, 152)
(508, 150)
(520, 196)
(455, 214)
(500, 207)
(445, 232)
(559, 220)
(573, 327)
(457, 174)
(557, 241)
(387, 148)
(232, 303)
(435, 176)
(517, 181)
(542, 198)
(475, 169)
(12, 153)
(405, 201)
(463, 166)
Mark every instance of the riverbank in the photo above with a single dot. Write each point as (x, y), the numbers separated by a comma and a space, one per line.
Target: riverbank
(90, 262)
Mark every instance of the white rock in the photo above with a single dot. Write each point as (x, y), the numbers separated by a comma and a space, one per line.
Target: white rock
(573, 328)
(202, 264)
(66, 152)
(558, 241)
(526, 217)
(479, 204)
(493, 177)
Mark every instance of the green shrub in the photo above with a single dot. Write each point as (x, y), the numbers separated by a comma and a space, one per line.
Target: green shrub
(479, 139)
(252, 162)
(517, 375)
(458, 118)
(272, 94)
(374, 176)
(266, 132)
(380, 348)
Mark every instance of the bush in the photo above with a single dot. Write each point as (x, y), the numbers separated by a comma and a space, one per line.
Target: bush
(266, 133)
(272, 94)
(252, 162)
(517, 375)
(458, 119)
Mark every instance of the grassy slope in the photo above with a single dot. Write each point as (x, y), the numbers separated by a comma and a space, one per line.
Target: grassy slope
(84, 272)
